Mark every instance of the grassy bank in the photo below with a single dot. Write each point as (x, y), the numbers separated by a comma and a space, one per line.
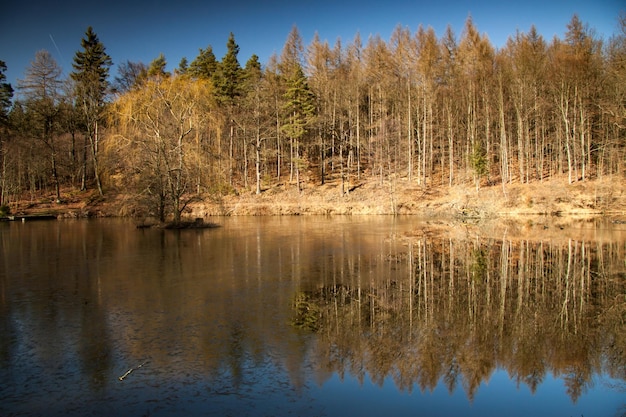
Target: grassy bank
(605, 197)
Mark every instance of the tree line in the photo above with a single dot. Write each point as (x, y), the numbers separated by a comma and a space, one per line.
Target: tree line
(435, 111)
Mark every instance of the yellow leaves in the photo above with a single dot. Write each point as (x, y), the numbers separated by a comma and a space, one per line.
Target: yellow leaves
(163, 102)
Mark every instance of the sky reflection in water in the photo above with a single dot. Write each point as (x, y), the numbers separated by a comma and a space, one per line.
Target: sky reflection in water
(312, 316)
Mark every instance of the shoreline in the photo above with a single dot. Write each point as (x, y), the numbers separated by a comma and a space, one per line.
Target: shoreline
(605, 198)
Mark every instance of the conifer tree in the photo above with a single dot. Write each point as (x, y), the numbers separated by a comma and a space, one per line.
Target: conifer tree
(6, 93)
(183, 66)
(156, 69)
(91, 72)
(227, 81)
(228, 77)
(299, 112)
(204, 65)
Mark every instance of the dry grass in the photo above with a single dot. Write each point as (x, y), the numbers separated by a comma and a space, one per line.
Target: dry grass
(606, 197)
(555, 197)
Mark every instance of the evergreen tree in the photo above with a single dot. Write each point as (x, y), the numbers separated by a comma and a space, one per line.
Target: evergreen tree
(228, 77)
(252, 70)
(91, 72)
(156, 69)
(6, 93)
(227, 80)
(183, 66)
(300, 104)
(299, 114)
(205, 64)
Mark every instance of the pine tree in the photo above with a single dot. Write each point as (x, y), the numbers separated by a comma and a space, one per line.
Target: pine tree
(299, 112)
(227, 81)
(205, 64)
(6, 93)
(91, 72)
(183, 66)
(228, 77)
(156, 69)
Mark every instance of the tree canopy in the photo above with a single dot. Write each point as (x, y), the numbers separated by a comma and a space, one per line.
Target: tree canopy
(433, 111)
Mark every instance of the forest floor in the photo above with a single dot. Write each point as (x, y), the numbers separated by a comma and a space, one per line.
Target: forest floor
(551, 198)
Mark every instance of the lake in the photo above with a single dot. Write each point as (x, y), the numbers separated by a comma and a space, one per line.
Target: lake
(312, 316)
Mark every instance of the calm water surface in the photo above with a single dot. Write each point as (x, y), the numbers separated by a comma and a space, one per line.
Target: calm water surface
(308, 316)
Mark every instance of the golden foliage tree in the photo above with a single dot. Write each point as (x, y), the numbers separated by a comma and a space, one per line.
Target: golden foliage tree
(155, 126)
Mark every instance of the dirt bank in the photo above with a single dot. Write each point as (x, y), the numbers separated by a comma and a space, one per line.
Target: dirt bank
(597, 198)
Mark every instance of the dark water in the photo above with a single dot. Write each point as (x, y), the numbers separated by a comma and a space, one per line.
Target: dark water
(308, 317)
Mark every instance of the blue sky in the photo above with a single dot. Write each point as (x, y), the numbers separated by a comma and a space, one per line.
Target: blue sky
(141, 30)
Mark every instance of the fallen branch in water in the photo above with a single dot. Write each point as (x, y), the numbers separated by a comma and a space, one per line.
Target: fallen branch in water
(131, 370)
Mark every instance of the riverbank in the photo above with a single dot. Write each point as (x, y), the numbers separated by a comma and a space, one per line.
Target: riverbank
(555, 197)
(605, 197)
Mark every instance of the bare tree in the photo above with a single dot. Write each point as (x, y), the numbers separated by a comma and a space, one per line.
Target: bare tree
(41, 88)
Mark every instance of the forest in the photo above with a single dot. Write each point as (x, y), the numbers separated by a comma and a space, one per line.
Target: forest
(434, 111)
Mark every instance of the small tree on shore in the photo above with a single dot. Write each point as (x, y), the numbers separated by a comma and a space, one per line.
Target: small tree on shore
(155, 124)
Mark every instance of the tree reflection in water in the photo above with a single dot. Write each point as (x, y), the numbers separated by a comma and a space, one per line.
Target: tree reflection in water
(241, 320)
(457, 310)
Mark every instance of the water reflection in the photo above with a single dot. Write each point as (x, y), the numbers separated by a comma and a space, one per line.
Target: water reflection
(457, 310)
(248, 318)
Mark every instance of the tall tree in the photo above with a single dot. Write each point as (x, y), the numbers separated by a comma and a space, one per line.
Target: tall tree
(575, 72)
(448, 83)
(228, 76)
(227, 80)
(527, 52)
(613, 102)
(41, 88)
(428, 64)
(91, 72)
(378, 62)
(6, 94)
(476, 63)
(403, 51)
(256, 108)
(299, 115)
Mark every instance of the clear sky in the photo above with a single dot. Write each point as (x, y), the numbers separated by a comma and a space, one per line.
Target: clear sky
(141, 30)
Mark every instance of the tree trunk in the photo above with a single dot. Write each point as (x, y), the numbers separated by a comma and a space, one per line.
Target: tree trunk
(257, 163)
(94, 154)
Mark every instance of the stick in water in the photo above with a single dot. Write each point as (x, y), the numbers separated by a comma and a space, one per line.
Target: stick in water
(131, 370)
